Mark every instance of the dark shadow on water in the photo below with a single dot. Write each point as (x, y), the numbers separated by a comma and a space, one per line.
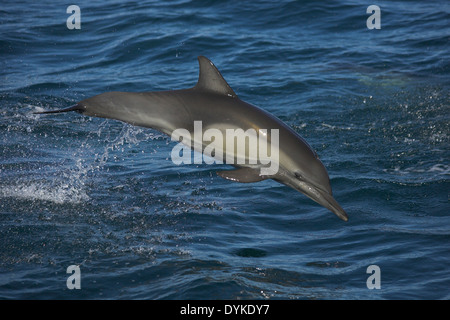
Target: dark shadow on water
(250, 253)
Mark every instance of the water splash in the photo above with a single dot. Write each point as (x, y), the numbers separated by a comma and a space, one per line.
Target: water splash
(57, 193)
(67, 180)
(129, 136)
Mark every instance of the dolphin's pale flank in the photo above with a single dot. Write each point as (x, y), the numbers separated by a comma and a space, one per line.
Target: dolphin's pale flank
(216, 105)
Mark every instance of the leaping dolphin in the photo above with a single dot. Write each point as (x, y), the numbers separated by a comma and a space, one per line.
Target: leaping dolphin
(213, 102)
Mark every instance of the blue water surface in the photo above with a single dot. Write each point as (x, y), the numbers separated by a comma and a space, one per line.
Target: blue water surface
(105, 196)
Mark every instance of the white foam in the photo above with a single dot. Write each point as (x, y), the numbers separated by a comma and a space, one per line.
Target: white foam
(59, 194)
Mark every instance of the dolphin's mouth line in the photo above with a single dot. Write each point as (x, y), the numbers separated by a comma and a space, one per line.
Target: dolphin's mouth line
(333, 205)
(308, 182)
(319, 195)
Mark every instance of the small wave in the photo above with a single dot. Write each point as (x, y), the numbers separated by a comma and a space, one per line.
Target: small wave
(333, 127)
(439, 169)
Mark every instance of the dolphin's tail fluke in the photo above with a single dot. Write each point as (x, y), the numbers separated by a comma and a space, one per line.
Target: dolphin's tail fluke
(76, 107)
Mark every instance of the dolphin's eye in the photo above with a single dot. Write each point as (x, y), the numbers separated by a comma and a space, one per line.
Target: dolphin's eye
(298, 175)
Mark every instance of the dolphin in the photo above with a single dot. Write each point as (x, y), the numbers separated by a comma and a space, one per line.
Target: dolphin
(214, 102)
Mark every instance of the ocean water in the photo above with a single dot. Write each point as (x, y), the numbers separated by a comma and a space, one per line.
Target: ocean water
(105, 196)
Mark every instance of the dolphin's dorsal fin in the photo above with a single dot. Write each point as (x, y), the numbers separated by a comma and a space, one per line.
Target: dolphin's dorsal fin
(210, 79)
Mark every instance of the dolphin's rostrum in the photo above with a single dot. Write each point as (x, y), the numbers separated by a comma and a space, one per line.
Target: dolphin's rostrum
(213, 102)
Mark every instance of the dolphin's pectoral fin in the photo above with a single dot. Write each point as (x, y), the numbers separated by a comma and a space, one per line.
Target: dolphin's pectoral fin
(244, 175)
